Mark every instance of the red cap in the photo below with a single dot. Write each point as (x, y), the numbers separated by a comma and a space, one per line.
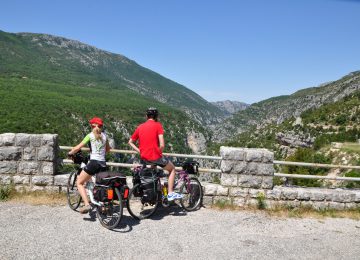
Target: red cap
(96, 120)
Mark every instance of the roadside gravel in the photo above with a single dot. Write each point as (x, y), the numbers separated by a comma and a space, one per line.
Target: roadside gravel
(43, 232)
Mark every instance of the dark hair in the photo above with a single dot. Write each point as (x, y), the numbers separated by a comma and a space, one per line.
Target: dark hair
(152, 112)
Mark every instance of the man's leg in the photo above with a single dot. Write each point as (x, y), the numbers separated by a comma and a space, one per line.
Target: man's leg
(171, 169)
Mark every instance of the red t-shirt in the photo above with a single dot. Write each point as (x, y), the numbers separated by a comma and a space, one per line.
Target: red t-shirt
(148, 136)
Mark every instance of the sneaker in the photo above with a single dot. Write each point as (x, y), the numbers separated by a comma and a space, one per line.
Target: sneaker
(174, 196)
(85, 209)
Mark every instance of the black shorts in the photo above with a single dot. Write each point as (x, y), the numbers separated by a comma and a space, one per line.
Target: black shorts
(162, 162)
(93, 167)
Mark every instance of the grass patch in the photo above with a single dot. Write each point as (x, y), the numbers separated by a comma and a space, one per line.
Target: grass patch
(290, 212)
(223, 204)
(6, 192)
(38, 198)
(351, 147)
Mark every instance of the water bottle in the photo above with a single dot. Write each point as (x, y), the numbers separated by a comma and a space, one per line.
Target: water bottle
(164, 190)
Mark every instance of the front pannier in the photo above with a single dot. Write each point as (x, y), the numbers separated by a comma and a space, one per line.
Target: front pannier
(192, 167)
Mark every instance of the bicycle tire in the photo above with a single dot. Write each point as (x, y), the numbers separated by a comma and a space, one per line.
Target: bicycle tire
(72, 193)
(192, 194)
(139, 209)
(111, 213)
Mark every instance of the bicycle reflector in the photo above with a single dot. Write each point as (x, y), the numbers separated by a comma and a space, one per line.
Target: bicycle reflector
(110, 194)
(126, 193)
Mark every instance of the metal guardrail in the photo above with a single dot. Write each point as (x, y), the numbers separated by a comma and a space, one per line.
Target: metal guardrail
(130, 165)
(302, 176)
(318, 165)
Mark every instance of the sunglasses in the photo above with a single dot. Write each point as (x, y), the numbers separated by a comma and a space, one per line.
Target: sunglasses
(99, 126)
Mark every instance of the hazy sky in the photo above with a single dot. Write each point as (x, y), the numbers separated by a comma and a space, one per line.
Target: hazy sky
(247, 50)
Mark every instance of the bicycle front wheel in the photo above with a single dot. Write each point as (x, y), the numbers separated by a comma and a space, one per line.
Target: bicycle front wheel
(110, 214)
(192, 194)
(72, 193)
(137, 207)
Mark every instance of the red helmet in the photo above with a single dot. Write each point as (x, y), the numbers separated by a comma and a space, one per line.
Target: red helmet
(96, 120)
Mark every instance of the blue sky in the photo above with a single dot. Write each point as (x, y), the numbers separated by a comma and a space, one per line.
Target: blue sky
(247, 50)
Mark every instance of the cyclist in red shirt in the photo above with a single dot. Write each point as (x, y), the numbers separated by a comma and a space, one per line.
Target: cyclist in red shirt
(150, 136)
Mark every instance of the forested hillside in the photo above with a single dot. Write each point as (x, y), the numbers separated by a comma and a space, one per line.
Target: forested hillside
(60, 60)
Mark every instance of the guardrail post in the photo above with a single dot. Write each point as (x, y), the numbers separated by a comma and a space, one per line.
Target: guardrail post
(247, 167)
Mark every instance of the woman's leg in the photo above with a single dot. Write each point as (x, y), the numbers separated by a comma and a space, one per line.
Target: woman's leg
(80, 183)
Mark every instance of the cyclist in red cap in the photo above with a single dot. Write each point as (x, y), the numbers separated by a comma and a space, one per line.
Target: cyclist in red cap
(99, 145)
(151, 144)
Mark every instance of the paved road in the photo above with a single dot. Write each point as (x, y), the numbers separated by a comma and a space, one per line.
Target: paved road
(43, 232)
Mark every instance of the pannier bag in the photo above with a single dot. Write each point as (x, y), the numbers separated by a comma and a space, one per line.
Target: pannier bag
(148, 184)
(111, 179)
(192, 167)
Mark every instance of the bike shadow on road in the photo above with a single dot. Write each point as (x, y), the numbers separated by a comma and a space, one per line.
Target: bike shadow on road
(126, 224)
(173, 209)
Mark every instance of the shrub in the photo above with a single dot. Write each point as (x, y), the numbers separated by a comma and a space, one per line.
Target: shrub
(5, 192)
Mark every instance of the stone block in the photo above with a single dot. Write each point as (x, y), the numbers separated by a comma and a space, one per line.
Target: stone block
(42, 180)
(47, 168)
(239, 202)
(46, 153)
(254, 193)
(8, 167)
(61, 180)
(238, 192)
(254, 155)
(10, 153)
(274, 194)
(229, 179)
(289, 193)
(318, 195)
(5, 179)
(22, 140)
(265, 169)
(21, 179)
(29, 153)
(303, 194)
(49, 140)
(251, 168)
(28, 167)
(7, 139)
(267, 183)
(36, 140)
(232, 153)
(210, 189)
(250, 181)
(268, 157)
(336, 205)
(207, 201)
(222, 191)
(234, 167)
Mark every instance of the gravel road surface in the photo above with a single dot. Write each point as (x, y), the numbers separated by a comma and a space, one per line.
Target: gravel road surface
(43, 232)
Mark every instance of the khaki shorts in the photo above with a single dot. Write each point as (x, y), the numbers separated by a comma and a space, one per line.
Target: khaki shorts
(162, 162)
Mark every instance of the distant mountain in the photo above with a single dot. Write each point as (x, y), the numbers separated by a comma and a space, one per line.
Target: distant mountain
(230, 107)
(278, 109)
(62, 60)
(50, 84)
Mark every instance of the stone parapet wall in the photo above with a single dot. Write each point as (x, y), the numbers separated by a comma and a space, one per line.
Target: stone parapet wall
(279, 196)
(28, 160)
(247, 168)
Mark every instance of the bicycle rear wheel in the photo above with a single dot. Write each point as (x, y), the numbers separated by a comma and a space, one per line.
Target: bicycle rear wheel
(110, 214)
(137, 207)
(72, 193)
(192, 194)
